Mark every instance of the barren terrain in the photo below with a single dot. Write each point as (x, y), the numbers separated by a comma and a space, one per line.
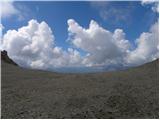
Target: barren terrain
(133, 93)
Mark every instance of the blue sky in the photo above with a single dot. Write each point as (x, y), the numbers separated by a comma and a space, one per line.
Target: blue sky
(138, 18)
(50, 34)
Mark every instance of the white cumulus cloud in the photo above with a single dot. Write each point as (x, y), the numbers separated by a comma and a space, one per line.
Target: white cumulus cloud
(103, 46)
(34, 46)
(147, 47)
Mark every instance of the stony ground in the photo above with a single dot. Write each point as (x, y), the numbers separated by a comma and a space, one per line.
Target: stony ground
(132, 93)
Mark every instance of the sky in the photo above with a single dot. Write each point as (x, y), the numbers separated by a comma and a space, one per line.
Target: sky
(50, 34)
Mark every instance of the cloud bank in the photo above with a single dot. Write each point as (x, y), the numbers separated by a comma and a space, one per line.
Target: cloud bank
(102, 46)
(34, 46)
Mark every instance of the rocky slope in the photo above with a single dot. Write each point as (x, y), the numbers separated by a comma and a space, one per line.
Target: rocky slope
(133, 93)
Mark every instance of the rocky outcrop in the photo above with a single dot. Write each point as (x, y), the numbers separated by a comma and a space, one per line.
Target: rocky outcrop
(5, 58)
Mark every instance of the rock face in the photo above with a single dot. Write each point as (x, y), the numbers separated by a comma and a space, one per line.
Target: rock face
(5, 58)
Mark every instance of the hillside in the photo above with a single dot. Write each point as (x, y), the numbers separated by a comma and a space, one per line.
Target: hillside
(133, 93)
